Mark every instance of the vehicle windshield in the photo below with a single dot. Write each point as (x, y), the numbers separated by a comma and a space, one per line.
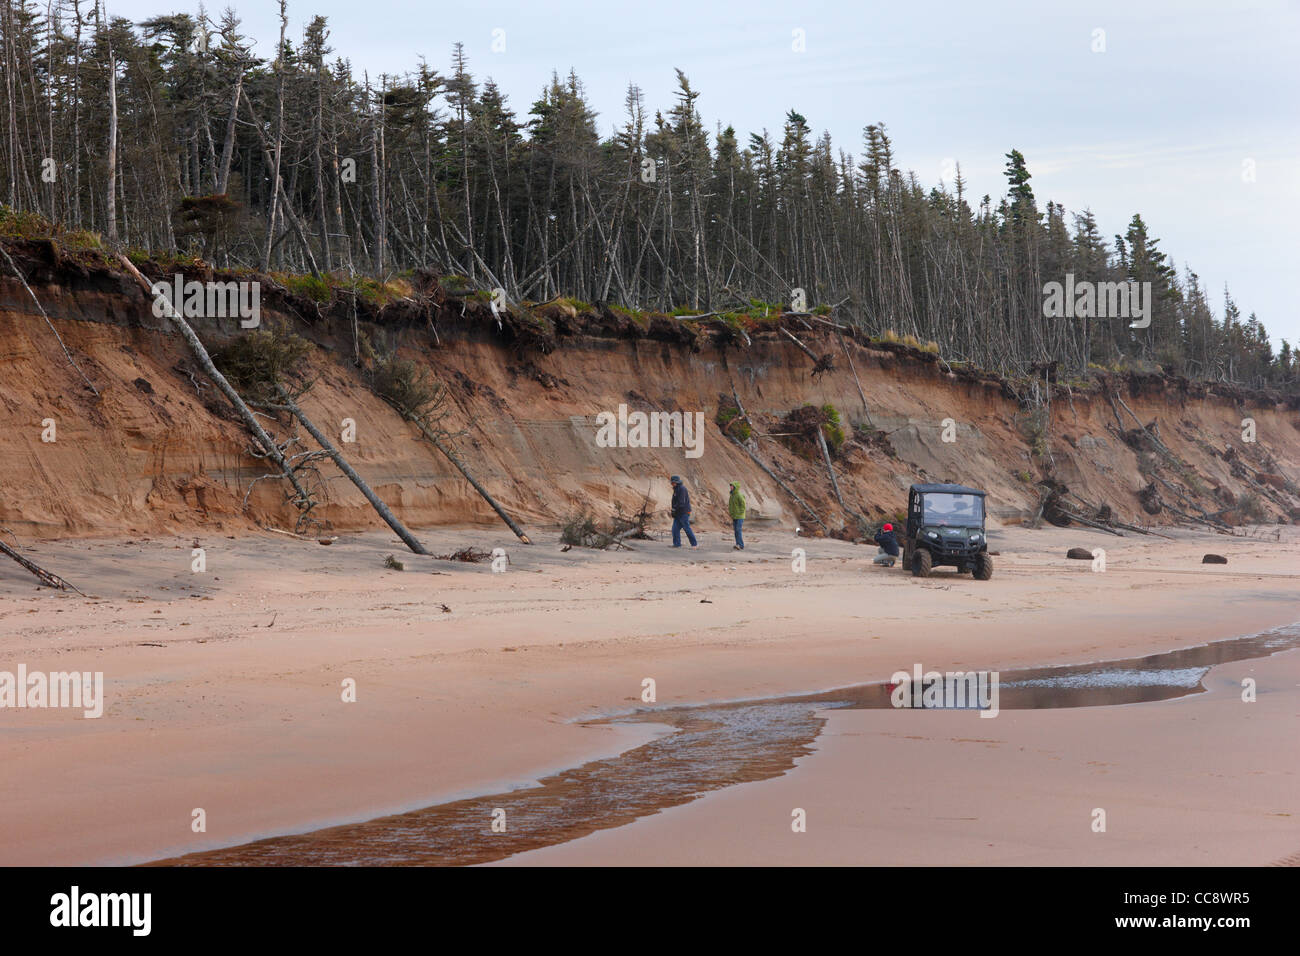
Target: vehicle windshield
(965, 511)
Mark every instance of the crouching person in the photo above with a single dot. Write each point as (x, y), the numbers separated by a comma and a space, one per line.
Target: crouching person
(888, 552)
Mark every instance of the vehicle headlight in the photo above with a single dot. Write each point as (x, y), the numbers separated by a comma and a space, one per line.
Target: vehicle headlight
(974, 537)
(933, 534)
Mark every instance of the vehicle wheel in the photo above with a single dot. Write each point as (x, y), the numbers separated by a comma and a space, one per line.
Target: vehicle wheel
(921, 563)
(984, 569)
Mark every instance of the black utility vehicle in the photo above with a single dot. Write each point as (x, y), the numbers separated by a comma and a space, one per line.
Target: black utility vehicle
(945, 527)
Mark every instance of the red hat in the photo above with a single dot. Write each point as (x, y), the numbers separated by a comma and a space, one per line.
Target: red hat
(888, 527)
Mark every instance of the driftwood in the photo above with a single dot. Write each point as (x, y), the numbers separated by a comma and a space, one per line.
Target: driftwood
(1139, 530)
(1206, 517)
(830, 469)
(1154, 440)
(48, 578)
(1044, 496)
(789, 491)
(1160, 446)
(375, 501)
(1088, 522)
(833, 325)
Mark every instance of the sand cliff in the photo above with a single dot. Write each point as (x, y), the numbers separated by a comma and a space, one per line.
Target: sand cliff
(159, 450)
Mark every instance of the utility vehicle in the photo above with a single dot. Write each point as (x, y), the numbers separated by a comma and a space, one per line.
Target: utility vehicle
(945, 527)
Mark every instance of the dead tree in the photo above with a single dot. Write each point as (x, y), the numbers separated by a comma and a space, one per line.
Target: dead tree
(278, 183)
(375, 501)
(856, 380)
(279, 146)
(782, 485)
(821, 364)
(835, 485)
(110, 204)
(452, 457)
(48, 578)
(39, 308)
(273, 451)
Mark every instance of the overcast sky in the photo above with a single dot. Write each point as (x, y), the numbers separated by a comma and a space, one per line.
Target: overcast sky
(1188, 116)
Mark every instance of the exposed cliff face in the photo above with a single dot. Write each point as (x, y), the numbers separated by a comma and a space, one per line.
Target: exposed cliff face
(159, 451)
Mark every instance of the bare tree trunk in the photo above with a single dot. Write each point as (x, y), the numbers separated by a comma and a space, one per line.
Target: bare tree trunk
(228, 150)
(856, 380)
(455, 460)
(49, 579)
(782, 485)
(196, 346)
(40, 309)
(76, 116)
(830, 470)
(337, 187)
(10, 72)
(348, 470)
(294, 222)
(279, 145)
(319, 170)
(111, 207)
(376, 162)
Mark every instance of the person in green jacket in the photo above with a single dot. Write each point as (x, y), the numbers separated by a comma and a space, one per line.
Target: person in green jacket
(736, 508)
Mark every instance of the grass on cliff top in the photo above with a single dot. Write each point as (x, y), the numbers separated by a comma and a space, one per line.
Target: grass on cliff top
(891, 337)
(30, 225)
(322, 289)
(18, 224)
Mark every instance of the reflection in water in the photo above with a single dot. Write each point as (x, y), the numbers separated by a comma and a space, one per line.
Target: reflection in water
(713, 746)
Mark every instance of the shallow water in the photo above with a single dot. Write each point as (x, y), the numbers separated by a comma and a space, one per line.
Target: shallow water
(712, 746)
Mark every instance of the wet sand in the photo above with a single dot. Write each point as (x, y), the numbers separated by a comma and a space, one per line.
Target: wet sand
(243, 717)
(1205, 780)
(710, 747)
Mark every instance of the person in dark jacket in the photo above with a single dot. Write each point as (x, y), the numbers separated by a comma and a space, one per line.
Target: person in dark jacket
(888, 552)
(681, 513)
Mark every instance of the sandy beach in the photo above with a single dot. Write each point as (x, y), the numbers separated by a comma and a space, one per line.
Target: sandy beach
(224, 692)
(1199, 781)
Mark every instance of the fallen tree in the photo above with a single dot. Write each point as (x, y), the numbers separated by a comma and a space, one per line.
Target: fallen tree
(766, 470)
(48, 578)
(375, 501)
(403, 387)
(273, 451)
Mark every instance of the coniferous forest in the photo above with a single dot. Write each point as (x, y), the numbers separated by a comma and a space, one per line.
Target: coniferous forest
(168, 135)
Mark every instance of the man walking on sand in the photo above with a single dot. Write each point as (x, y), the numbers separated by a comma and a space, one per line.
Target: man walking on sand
(736, 508)
(681, 513)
